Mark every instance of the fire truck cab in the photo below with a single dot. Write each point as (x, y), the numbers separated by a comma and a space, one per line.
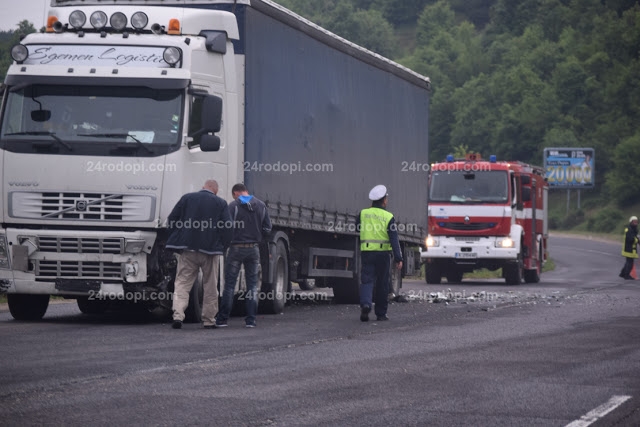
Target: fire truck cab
(486, 214)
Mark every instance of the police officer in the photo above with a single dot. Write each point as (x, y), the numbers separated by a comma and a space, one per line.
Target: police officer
(630, 247)
(378, 240)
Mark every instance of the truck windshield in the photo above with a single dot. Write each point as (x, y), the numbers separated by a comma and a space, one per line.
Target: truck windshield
(469, 187)
(83, 115)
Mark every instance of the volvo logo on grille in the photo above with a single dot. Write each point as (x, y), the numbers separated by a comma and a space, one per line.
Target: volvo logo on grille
(81, 205)
(467, 220)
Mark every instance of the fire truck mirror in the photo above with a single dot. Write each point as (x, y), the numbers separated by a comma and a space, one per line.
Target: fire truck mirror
(526, 193)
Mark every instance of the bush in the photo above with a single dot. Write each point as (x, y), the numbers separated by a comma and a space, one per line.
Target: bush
(605, 221)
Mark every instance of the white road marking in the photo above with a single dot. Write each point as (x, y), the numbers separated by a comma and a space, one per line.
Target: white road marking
(599, 412)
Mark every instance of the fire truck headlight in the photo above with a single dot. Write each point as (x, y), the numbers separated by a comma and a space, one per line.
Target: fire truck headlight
(4, 253)
(431, 242)
(505, 242)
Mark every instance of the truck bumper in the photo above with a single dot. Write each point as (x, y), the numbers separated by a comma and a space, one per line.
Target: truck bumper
(469, 250)
(71, 262)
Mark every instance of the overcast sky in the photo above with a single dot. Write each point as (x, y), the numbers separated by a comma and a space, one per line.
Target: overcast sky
(14, 11)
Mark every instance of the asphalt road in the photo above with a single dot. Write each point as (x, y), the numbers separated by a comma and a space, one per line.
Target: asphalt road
(560, 352)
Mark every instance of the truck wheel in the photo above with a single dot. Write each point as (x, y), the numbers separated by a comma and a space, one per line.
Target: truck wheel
(193, 313)
(454, 276)
(95, 306)
(432, 274)
(307, 284)
(346, 291)
(27, 307)
(513, 271)
(533, 276)
(275, 294)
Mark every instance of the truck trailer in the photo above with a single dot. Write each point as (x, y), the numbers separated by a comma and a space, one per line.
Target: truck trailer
(119, 108)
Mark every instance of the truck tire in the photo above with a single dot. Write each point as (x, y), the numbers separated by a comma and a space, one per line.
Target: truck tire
(432, 274)
(513, 271)
(27, 307)
(533, 276)
(454, 276)
(274, 295)
(94, 306)
(193, 313)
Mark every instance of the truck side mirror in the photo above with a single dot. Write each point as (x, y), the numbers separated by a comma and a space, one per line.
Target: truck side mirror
(209, 143)
(210, 115)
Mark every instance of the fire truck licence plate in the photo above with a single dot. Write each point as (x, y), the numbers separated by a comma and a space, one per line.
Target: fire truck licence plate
(466, 255)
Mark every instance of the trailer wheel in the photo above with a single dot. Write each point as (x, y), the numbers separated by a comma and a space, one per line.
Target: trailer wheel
(275, 294)
(193, 313)
(94, 306)
(432, 274)
(27, 307)
(513, 272)
(454, 276)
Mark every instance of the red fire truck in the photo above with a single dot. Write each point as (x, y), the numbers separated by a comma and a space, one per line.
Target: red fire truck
(486, 214)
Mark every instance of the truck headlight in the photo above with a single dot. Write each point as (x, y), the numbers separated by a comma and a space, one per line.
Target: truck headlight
(4, 253)
(432, 242)
(505, 242)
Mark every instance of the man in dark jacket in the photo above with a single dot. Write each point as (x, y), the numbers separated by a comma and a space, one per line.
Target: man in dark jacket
(630, 248)
(200, 231)
(251, 223)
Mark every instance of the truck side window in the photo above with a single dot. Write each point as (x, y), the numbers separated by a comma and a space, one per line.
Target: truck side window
(195, 118)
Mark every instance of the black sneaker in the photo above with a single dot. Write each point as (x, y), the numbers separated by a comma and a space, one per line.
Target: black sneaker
(177, 324)
(209, 326)
(364, 313)
(629, 278)
(250, 325)
(621, 275)
(382, 318)
(221, 324)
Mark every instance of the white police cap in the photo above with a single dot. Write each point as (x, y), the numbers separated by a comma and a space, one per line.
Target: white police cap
(633, 218)
(377, 192)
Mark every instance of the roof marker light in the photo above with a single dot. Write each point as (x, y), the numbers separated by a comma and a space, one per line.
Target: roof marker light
(493, 158)
(174, 26)
(450, 158)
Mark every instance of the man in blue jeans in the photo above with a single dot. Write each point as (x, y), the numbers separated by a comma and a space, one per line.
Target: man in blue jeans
(251, 223)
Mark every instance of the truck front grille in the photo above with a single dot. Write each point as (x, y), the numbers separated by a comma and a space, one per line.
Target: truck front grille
(468, 227)
(81, 245)
(96, 270)
(81, 206)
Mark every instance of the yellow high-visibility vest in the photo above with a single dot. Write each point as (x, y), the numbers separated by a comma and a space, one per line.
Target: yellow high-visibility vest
(374, 223)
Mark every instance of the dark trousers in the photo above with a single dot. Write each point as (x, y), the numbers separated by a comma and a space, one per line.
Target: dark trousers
(237, 257)
(628, 266)
(375, 271)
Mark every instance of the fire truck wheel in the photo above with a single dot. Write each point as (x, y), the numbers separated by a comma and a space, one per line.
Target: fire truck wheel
(27, 307)
(513, 272)
(432, 274)
(533, 276)
(454, 276)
